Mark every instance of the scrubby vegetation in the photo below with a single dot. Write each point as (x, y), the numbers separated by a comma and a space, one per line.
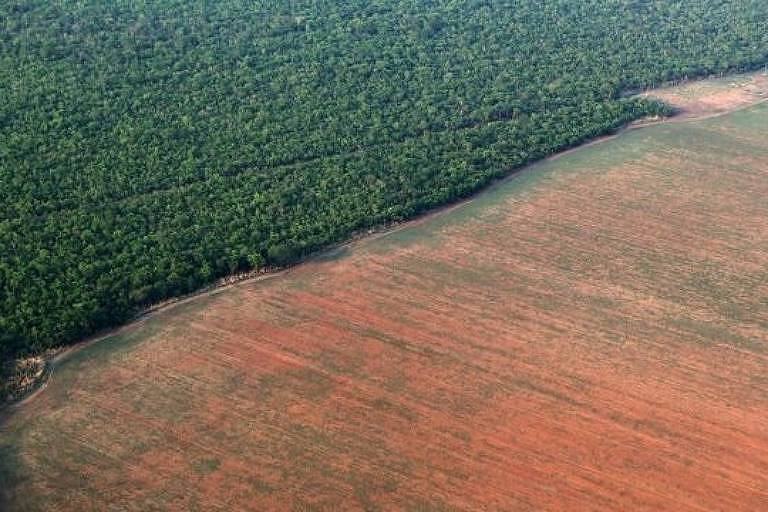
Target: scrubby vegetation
(147, 148)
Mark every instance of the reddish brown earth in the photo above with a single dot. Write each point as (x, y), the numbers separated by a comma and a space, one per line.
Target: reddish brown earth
(590, 335)
(705, 98)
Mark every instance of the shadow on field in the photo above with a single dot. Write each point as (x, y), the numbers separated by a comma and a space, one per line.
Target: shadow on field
(335, 254)
(10, 470)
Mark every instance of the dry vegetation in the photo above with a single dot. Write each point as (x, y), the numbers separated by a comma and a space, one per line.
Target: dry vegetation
(592, 334)
(21, 376)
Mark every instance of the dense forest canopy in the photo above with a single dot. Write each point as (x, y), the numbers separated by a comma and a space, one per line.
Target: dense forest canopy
(149, 147)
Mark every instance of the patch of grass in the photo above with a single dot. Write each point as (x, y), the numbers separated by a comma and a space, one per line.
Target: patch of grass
(206, 466)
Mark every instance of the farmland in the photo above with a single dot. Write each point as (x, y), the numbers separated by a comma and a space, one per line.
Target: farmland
(148, 149)
(591, 333)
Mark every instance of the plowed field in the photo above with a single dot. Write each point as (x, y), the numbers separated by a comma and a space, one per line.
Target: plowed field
(591, 334)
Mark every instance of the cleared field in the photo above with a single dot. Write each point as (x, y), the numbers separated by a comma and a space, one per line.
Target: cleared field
(714, 96)
(589, 335)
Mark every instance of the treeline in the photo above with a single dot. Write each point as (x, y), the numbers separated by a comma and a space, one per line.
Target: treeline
(148, 148)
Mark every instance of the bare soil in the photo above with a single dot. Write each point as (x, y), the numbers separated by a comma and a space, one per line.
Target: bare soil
(706, 98)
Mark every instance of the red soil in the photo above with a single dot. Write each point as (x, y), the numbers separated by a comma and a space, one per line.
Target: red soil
(707, 98)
